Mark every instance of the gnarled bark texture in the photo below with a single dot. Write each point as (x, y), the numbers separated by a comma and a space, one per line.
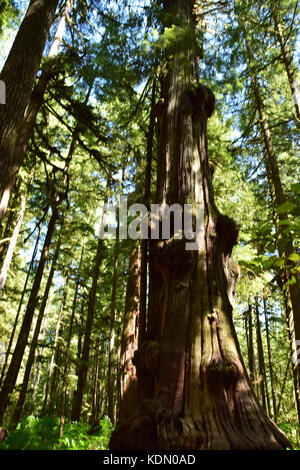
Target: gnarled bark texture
(194, 390)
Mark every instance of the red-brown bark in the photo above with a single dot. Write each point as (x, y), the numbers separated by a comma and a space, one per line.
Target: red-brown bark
(194, 390)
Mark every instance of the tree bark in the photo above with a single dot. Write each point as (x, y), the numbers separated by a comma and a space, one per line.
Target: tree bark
(198, 394)
(144, 242)
(18, 74)
(110, 388)
(273, 390)
(13, 370)
(251, 356)
(128, 379)
(261, 360)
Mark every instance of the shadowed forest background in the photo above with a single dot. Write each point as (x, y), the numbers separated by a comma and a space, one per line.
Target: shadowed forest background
(87, 120)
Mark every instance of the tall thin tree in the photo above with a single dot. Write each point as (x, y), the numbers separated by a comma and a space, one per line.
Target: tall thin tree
(18, 74)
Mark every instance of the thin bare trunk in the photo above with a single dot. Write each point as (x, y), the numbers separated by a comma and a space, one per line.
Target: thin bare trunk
(8, 351)
(40, 353)
(67, 360)
(283, 387)
(251, 355)
(83, 366)
(30, 360)
(53, 397)
(273, 391)
(52, 362)
(14, 367)
(13, 241)
(261, 360)
(110, 390)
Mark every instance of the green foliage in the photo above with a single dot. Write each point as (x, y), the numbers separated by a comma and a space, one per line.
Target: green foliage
(34, 433)
(290, 428)
(8, 13)
(111, 50)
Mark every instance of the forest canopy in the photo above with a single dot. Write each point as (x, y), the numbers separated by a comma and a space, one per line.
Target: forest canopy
(149, 225)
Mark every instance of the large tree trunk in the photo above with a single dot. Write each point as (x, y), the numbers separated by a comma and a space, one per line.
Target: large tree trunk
(14, 367)
(195, 392)
(18, 74)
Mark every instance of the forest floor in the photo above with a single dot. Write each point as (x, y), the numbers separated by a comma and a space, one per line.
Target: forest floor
(35, 433)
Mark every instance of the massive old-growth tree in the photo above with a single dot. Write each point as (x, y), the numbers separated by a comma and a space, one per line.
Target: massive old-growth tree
(194, 391)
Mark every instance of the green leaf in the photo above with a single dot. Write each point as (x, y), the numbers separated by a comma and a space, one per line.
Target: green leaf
(292, 280)
(270, 262)
(282, 244)
(278, 263)
(296, 188)
(294, 257)
(284, 222)
(285, 207)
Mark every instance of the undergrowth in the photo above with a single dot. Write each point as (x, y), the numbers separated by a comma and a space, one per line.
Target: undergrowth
(35, 433)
